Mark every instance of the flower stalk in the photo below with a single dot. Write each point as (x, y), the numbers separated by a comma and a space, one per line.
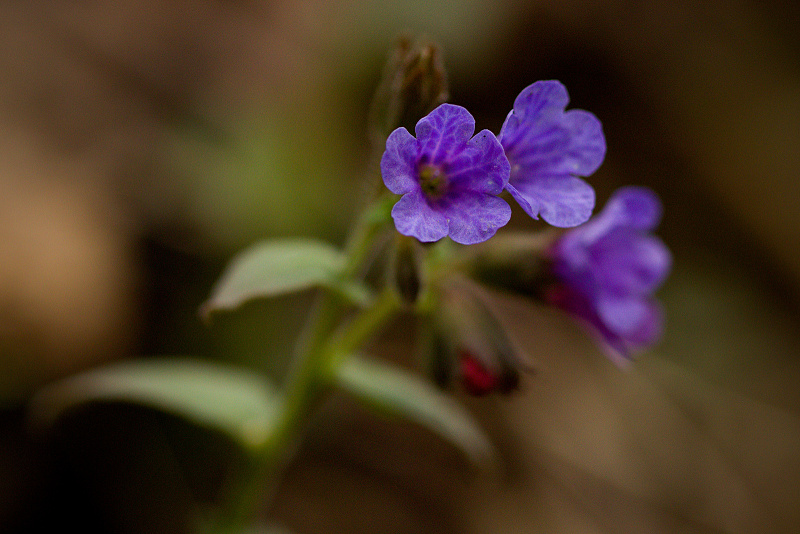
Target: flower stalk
(447, 181)
(322, 347)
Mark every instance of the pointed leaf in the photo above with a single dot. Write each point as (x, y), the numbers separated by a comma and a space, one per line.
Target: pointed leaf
(278, 267)
(393, 390)
(234, 401)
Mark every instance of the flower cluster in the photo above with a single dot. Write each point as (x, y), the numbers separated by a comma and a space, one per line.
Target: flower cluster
(605, 270)
(450, 181)
(609, 268)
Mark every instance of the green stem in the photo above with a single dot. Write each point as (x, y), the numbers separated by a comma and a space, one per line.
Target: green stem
(368, 226)
(303, 392)
(362, 327)
(316, 356)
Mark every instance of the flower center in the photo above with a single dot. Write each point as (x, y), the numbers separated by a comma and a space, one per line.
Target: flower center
(433, 181)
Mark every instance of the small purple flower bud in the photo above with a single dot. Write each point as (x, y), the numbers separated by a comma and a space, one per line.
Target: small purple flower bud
(549, 149)
(450, 181)
(609, 268)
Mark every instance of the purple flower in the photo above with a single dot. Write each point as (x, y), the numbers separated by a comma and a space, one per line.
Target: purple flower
(609, 268)
(548, 150)
(449, 182)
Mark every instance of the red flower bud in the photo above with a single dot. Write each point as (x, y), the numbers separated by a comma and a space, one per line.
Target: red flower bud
(477, 379)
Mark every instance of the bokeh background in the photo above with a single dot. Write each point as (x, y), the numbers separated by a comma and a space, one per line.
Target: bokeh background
(142, 143)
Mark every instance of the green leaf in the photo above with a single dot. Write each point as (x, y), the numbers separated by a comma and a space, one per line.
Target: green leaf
(234, 401)
(279, 267)
(393, 390)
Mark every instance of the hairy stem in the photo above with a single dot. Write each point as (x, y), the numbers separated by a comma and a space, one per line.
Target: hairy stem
(317, 353)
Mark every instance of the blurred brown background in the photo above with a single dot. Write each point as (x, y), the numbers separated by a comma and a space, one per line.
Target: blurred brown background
(143, 143)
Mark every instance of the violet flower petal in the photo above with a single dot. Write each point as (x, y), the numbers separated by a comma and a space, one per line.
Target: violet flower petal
(481, 166)
(637, 208)
(629, 262)
(650, 328)
(413, 216)
(398, 163)
(547, 148)
(539, 135)
(622, 314)
(562, 201)
(475, 217)
(443, 133)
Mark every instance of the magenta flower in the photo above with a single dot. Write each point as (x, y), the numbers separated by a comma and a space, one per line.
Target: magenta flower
(549, 149)
(609, 268)
(449, 180)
